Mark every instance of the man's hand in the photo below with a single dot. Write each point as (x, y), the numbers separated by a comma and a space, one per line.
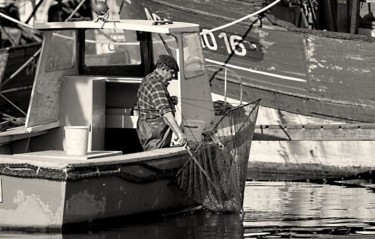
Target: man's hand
(171, 121)
(174, 100)
(181, 139)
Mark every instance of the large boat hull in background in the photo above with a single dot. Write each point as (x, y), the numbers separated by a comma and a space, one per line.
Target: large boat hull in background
(328, 75)
(16, 82)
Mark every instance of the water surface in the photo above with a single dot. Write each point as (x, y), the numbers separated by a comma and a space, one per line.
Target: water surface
(271, 210)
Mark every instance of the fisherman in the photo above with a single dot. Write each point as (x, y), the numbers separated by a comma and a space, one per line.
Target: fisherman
(156, 121)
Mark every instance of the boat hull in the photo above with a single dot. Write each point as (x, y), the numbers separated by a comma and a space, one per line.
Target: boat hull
(31, 203)
(314, 73)
(303, 77)
(309, 160)
(52, 200)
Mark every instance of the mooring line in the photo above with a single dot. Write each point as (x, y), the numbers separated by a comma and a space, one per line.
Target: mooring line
(241, 19)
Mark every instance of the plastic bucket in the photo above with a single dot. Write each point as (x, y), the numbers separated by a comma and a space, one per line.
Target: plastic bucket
(194, 130)
(76, 140)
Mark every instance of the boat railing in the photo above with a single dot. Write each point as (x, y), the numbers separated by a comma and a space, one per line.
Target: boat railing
(226, 70)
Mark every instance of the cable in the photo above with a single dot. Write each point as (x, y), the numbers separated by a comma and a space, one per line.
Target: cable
(112, 38)
(241, 19)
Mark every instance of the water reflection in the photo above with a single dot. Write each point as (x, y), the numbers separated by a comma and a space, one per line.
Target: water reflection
(313, 208)
(198, 225)
(271, 210)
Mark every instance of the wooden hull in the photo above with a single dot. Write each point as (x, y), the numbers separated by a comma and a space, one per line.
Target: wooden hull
(34, 201)
(328, 75)
(310, 160)
(312, 152)
(296, 147)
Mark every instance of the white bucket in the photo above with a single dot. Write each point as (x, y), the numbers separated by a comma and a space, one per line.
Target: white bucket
(76, 140)
(194, 130)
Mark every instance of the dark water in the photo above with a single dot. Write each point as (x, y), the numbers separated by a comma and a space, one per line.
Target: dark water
(271, 210)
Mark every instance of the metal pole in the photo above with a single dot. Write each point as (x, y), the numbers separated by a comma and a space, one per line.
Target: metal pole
(225, 84)
(75, 10)
(34, 11)
(15, 21)
(241, 90)
(10, 102)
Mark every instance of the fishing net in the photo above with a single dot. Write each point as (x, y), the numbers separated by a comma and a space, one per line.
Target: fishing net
(215, 174)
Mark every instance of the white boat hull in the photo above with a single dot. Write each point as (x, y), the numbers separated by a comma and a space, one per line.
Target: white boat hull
(41, 198)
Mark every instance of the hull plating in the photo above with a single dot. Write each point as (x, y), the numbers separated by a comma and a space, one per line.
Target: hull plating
(314, 73)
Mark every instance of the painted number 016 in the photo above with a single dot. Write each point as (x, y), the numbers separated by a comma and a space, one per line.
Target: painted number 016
(232, 43)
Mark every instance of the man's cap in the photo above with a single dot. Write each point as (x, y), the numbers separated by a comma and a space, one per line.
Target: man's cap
(169, 61)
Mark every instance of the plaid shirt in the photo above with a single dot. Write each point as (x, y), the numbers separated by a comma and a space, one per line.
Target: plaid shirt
(153, 97)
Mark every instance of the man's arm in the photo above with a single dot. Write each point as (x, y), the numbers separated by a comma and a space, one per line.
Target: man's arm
(171, 122)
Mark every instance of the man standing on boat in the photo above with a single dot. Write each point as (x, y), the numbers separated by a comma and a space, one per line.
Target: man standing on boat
(156, 121)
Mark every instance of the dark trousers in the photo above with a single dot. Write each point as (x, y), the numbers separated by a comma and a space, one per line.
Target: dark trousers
(154, 134)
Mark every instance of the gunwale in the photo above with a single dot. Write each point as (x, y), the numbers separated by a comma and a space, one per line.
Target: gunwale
(134, 25)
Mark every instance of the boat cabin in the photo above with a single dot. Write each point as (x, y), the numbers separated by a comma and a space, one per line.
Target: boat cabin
(89, 73)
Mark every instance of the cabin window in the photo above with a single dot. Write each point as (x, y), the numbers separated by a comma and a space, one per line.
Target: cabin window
(193, 56)
(112, 47)
(63, 54)
(162, 45)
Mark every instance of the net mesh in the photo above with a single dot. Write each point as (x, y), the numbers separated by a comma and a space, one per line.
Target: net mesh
(215, 174)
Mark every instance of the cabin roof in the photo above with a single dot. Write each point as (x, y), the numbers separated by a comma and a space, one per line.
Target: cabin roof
(135, 25)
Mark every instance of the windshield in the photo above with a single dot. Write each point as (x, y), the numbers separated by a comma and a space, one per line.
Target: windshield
(163, 45)
(62, 56)
(112, 47)
(193, 55)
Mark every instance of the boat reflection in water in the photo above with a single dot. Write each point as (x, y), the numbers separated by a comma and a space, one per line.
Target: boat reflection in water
(174, 226)
(271, 210)
(306, 208)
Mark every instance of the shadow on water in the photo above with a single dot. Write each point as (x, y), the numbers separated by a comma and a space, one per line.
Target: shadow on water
(271, 210)
(197, 225)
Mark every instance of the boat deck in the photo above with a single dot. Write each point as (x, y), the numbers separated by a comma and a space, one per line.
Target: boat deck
(57, 159)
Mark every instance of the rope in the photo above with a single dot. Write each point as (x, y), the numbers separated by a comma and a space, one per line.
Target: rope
(15, 21)
(10, 102)
(241, 19)
(112, 38)
(26, 170)
(34, 10)
(166, 46)
(75, 10)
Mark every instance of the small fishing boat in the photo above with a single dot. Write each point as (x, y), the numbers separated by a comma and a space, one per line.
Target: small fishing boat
(77, 159)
